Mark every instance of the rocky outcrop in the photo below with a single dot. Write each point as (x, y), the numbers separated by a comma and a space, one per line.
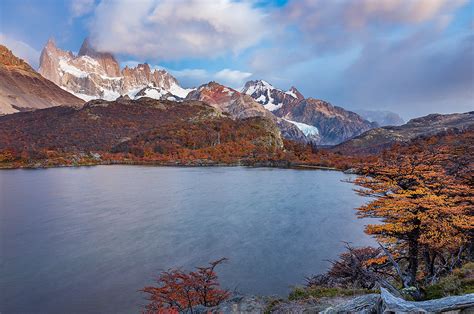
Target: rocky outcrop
(93, 74)
(378, 139)
(24, 89)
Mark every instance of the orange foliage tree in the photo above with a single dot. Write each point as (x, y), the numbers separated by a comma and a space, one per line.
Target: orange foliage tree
(178, 290)
(426, 215)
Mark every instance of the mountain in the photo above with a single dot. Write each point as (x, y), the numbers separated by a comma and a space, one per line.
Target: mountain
(22, 88)
(376, 140)
(270, 97)
(239, 105)
(383, 118)
(92, 74)
(327, 124)
(143, 128)
(334, 124)
(228, 100)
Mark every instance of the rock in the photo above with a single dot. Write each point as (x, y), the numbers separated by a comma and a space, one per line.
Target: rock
(369, 303)
(350, 171)
(237, 304)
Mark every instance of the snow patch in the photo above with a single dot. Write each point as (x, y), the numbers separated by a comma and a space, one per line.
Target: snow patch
(228, 91)
(291, 93)
(80, 95)
(177, 90)
(308, 130)
(66, 67)
(272, 107)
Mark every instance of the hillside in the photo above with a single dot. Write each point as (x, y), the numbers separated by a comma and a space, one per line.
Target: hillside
(136, 129)
(376, 140)
(23, 89)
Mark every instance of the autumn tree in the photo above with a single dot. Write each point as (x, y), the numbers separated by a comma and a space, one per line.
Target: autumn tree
(426, 215)
(178, 290)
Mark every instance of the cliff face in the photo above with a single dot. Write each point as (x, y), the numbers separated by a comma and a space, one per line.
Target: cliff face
(23, 89)
(93, 74)
(334, 124)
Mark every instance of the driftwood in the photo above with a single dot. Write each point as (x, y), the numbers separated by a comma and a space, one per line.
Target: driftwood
(388, 303)
(364, 304)
(391, 303)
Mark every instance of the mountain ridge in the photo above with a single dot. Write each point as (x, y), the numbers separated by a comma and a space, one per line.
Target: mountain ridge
(92, 75)
(22, 88)
(378, 139)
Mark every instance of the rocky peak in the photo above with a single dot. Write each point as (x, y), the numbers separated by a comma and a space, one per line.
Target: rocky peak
(269, 96)
(105, 59)
(93, 74)
(295, 93)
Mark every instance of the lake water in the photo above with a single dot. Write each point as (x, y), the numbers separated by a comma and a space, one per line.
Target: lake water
(76, 240)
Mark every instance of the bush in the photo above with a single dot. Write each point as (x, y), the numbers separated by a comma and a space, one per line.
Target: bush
(181, 291)
(461, 281)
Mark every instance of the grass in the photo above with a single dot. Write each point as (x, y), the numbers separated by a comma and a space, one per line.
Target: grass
(301, 293)
(461, 281)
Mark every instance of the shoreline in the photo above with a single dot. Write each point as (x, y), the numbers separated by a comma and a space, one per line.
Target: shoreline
(279, 165)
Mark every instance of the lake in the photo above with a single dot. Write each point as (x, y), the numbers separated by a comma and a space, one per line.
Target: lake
(86, 239)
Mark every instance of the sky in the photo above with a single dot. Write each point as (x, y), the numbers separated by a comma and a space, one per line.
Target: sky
(412, 57)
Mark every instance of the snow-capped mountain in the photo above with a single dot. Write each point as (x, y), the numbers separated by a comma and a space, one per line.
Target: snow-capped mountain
(92, 74)
(269, 96)
(319, 121)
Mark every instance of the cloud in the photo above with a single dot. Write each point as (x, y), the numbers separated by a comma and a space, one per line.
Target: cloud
(411, 56)
(174, 29)
(80, 8)
(232, 78)
(328, 26)
(196, 77)
(21, 49)
(413, 76)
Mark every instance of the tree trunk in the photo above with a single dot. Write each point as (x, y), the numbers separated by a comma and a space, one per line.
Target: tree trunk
(412, 261)
(429, 260)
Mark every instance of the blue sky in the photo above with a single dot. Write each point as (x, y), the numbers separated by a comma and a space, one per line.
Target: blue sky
(412, 57)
